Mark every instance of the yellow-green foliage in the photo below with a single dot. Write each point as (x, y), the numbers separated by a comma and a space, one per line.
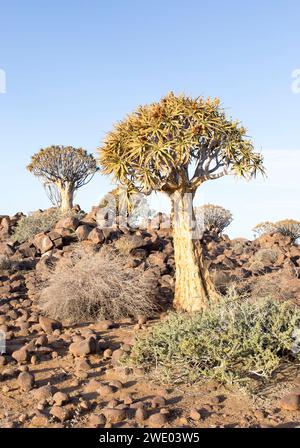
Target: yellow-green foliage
(287, 227)
(64, 164)
(154, 146)
(231, 342)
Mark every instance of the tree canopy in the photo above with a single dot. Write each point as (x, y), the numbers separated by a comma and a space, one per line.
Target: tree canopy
(64, 164)
(177, 143)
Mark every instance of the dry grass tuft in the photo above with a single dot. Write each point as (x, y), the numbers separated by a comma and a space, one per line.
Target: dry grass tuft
(98, 285)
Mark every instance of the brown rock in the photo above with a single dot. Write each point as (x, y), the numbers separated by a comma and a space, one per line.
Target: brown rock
(43, 393)
(92, 386)
(60, 398)
(158, 402)
(40, 421)
(290, 402)
(96, 236)
(157, 420)
(105, 391)
(26, 381)
(96, 421)
(84, 347)
(43, 243)
(114, 415)
(60, 413)
(21, 355)
(49, 325)
(116, 356)
(195, 415)
(83, 232)
(141, 415)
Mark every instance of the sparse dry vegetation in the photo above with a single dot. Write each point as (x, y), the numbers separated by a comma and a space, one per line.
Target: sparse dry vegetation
(5, 263)
(97, 285)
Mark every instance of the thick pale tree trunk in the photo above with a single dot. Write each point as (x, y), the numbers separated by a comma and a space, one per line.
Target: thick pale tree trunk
(67, 195)
(194, 289)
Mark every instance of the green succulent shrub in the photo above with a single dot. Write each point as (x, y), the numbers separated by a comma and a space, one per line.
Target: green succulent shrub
(37, 222)
(233, 341)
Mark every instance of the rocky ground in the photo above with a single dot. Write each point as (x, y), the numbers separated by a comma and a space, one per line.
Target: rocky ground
(59, 375)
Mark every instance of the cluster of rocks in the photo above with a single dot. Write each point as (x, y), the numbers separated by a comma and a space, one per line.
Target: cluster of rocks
(87, 352)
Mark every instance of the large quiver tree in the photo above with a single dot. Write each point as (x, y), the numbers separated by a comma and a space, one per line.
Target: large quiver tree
(63, 170)
(174, 146)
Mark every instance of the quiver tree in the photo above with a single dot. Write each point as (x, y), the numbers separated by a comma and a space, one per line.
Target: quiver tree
(174, 146)
(286, 227)
(213, 218)
(63, 170)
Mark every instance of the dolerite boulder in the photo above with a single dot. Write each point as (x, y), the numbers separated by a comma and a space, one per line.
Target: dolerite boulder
(96, 236)
(43, 243)
(83, 232)
(68, 223)
(83, 348)
(49, 325)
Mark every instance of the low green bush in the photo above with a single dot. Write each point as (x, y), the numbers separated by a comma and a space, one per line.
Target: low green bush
(37, 222)
(231, 342)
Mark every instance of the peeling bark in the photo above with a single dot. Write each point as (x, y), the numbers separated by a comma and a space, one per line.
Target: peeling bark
(194, 289)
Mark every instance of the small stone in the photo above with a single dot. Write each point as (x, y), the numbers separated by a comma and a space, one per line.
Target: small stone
(158, 402)
(127, 399)
(157, 420)
(105, 390)
(83, 364)
(290, 402)
(83, 348)
(49, 325)
(60, 413)
(96, 421)
(116, 356)
(107, 353)
(43, 393)
(92, 386)
(21, 355)
(40, 421)
(114, 415)
(60, 398)
(141, 415)
(26, 381)
(195, 415)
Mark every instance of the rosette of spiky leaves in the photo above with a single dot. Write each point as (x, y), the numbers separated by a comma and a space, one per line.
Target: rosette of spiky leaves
(177, 143)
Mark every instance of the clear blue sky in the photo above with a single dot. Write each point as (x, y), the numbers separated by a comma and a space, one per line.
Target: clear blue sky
(74, 67)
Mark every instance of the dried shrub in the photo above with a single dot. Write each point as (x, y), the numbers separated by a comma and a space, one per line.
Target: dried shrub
(125, 245)
(234, 341)
(98, 285)
(213, 218)
(266, 256)
(286, 227)
(5, 263)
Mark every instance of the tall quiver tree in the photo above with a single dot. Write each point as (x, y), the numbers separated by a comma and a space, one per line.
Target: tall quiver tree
(174, 146)
(65, 168)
